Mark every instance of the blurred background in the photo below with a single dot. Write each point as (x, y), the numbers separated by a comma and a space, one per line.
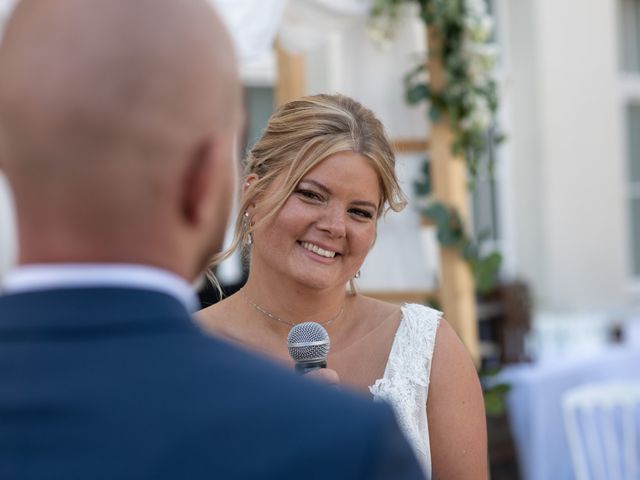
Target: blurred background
(549, 296)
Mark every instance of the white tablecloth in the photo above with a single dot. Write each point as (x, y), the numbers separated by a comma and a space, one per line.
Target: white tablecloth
(535, 408)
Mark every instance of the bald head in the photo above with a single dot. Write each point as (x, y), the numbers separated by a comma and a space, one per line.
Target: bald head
(104, 104)
(113, 71)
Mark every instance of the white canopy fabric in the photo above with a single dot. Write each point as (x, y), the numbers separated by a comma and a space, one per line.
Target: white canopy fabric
(302, 24)
(308, 24)
(253, 25)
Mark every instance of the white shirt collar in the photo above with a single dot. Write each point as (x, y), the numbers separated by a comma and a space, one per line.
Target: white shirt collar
(27, 278)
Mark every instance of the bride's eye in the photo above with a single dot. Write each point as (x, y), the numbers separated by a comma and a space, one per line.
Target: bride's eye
(361, 213)
(309, 194)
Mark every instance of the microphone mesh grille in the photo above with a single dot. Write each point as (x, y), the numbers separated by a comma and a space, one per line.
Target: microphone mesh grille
(308, 342)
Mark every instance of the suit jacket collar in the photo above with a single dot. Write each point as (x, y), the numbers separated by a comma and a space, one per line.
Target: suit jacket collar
(76, 310)
(46, 276)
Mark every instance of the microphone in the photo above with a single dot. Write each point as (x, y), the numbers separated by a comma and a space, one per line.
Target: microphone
(308, 345)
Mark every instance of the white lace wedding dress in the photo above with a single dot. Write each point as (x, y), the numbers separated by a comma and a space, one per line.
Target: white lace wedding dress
(405, 382)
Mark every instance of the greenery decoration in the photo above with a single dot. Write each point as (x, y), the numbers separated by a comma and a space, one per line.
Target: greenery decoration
(469, 98)
(495, 402)
(469, 101)
(451, 233)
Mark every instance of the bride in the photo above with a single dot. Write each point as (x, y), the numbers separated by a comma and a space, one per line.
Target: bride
(316, 184)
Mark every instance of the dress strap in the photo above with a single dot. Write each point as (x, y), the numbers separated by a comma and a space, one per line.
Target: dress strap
(413, 347)
(405, 384)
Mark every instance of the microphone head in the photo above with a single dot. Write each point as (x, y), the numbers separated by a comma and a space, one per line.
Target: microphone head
(308, 342)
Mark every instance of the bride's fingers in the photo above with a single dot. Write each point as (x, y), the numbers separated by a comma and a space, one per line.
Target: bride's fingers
(324, 375)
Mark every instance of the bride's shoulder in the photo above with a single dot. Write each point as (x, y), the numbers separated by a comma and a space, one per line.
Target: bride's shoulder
(408, 312)
(375, 308)
(214, 317)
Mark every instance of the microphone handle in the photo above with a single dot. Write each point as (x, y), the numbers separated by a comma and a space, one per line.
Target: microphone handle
(302, 368)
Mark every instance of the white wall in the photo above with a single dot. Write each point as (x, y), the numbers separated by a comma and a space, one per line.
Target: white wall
(568, 164)
(520, 166)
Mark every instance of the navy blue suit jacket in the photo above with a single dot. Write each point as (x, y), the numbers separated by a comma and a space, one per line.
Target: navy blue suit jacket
(116, 383)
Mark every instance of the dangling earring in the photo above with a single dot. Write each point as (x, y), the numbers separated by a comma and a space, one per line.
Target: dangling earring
(248, 238)
(357, 275)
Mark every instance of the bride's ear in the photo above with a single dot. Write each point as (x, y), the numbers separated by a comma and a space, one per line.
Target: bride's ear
(251, 178)
(246, 186)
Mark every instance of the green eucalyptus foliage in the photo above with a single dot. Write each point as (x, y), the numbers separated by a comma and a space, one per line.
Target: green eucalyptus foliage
(469, 101)
(451, 233)
(494, 393)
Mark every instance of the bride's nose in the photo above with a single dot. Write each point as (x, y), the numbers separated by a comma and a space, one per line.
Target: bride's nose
(333, 222)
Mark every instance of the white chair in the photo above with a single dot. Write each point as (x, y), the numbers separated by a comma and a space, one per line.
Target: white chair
(602, 423)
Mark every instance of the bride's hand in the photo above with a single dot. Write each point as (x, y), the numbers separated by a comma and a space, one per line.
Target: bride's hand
(324, 375)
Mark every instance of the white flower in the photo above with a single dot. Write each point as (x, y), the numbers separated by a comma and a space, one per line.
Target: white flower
(475, 8)
(478, 29)
(480, 117)
(380, 32)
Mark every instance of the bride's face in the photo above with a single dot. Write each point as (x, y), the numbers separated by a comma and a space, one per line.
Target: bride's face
(323, 232)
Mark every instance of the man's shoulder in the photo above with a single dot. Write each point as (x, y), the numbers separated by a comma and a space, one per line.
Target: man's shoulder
(182, 390)
(226, 374)
(246, 398)
(243, 370)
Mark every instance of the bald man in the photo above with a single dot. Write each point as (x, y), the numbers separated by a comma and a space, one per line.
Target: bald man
(117, 120)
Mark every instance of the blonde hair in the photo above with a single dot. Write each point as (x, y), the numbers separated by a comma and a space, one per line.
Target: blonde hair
(300, 135)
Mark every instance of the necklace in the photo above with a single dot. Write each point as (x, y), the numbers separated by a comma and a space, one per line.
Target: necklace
(281, 320)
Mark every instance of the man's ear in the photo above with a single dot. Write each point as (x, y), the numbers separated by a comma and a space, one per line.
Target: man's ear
(199, 175)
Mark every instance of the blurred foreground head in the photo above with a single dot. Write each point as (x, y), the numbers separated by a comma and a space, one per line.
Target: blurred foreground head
(117, 123)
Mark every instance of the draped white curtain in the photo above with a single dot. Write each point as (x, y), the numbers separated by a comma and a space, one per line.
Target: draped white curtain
(302, 24)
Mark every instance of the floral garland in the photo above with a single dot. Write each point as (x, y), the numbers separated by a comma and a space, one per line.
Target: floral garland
(469, 98)
(469, 101)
